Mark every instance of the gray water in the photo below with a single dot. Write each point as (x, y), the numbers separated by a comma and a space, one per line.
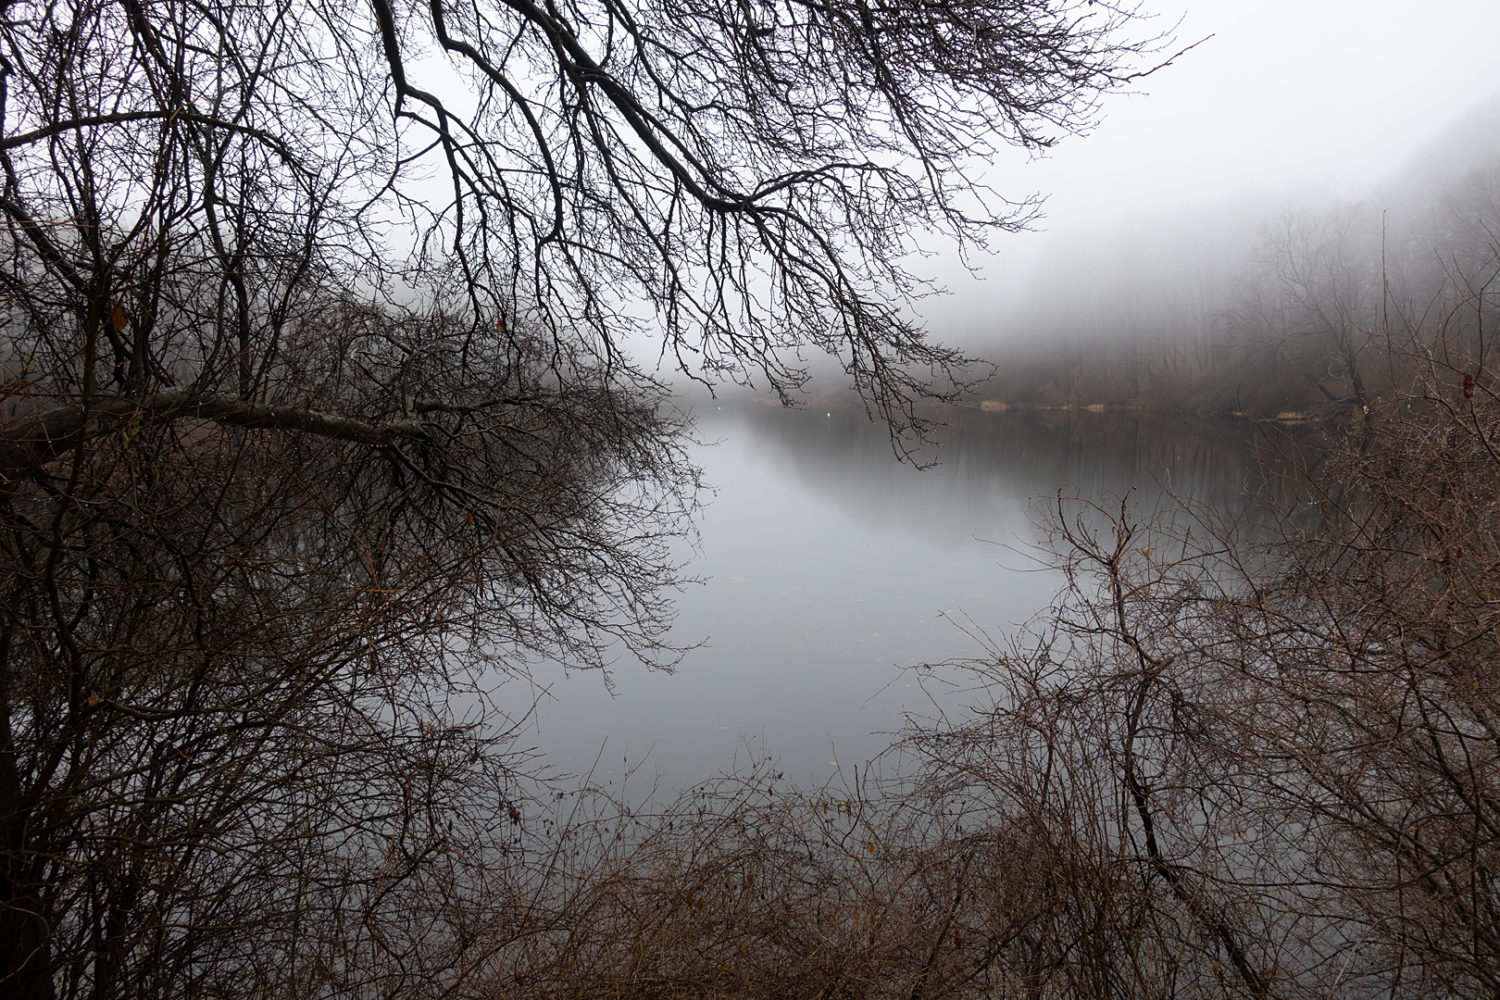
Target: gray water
(832, 570)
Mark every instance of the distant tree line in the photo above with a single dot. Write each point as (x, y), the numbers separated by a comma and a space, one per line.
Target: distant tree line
(1292, 319)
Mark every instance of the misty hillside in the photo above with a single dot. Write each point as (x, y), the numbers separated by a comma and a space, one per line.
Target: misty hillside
(1262, 306)
(1470, 141)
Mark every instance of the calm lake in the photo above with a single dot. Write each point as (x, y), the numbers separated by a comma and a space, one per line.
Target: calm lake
(831, 568)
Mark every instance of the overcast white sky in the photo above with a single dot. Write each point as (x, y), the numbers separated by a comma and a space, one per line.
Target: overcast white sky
(1332, 91)
(1316, 95)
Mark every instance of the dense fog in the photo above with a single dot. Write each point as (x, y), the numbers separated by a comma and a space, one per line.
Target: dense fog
(1260, 305)
(1275, 108)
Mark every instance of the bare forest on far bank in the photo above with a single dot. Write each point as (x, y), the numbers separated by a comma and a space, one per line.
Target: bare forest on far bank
(1260, 308)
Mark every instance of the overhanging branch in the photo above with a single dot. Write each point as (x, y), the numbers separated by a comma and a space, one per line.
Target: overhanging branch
(31, 444)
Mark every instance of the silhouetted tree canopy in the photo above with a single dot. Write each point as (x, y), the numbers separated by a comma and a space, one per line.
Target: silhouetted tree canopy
(317, 406)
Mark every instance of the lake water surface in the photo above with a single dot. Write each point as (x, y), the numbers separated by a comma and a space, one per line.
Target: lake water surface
(831, 569)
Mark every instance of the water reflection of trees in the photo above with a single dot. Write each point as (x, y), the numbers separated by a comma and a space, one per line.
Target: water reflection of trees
(980, 455)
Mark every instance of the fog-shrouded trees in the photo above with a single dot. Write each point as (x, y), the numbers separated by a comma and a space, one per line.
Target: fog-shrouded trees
(1312, 304)
(317, 415)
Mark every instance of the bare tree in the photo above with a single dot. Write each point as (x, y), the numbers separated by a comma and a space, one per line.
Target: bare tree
(249, 740)
(1314, 301)
(317, 415)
